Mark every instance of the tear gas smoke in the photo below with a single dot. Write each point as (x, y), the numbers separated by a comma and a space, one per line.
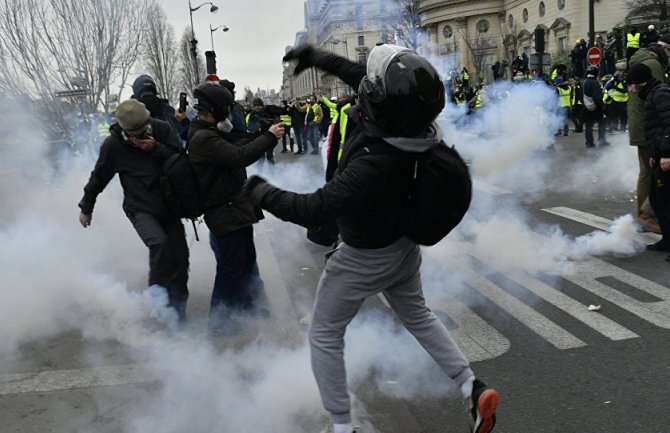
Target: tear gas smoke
(58, 277)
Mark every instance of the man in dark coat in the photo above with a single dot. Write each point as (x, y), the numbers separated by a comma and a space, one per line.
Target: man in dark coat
(591, 89)
(220, 166)
(656, 97)
(368, 197)
(145, 91)
(136, 149)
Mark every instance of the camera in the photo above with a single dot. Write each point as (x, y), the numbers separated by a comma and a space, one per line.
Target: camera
(182, 102)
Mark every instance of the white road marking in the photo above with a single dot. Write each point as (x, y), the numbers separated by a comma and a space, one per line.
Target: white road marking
(490, 188)
(597, 321)
(596, 221)
(59, 380)
(657, 312)
(539, 324)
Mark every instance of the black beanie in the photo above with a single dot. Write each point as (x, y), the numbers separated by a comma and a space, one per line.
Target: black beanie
(638, 74)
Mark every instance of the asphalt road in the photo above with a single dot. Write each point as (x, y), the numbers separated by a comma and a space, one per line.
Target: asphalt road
(558, 366)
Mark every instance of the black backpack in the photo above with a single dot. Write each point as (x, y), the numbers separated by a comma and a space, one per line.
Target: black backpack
(440, 195)
(182, 189)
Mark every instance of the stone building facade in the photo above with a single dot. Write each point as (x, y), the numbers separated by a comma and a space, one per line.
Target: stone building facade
(477, 33)
(350, 28)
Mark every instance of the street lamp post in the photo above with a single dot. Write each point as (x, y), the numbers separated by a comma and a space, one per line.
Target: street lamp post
(336, 41)
(212, 30)
(194, 42)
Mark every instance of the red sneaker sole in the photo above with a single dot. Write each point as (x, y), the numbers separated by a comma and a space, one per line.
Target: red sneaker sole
(487, 405)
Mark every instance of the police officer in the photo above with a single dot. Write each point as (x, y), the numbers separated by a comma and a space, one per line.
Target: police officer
(286, 120)
(632, 42)
(618, 91)
(368, 196)
(564, 98)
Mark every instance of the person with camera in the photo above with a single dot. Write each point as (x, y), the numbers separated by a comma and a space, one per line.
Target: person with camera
(220, 167)
(136, 149)
(369, 198)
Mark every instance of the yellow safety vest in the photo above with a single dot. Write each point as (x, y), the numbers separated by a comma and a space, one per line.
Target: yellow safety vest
(286, 119)
(618, 94)
(564, 96)
(344, 119)
(103, 130)
(478, 102)
(332, 106)
(246, 119)
(633, 40)
(466, 76)
(554, 74)
(574, 99)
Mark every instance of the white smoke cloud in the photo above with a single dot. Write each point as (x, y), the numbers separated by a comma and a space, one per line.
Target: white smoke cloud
(58, 277)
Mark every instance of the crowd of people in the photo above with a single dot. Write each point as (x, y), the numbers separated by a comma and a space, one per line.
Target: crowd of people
(361, 209)
(365, 197)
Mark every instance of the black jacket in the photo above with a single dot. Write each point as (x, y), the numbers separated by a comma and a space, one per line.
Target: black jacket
(220, 167)
(369, 194)
(591, 87)
(140, 172)
(656, 97)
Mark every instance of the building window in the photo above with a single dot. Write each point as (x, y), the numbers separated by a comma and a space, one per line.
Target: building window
(563, 47)
(541, 9)
(361, 41)
(362, 58)
(483, 26)
(525, 15)
(510, 21)
(447, 31)
(561, 4)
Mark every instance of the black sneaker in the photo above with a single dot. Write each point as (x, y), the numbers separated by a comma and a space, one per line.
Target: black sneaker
(659, 246)
(484, 404)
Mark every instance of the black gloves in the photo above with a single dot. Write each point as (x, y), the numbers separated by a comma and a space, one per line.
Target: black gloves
(256, 188)
(306, 56)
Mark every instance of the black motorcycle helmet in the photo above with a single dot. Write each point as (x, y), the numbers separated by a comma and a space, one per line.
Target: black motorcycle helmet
(402, 93)
(592, 70)
(211, 97)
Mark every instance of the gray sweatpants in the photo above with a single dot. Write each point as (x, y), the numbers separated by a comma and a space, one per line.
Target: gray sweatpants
(350, 276)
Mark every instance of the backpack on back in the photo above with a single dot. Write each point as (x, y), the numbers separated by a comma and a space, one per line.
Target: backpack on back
(182, 187)
(440, 194)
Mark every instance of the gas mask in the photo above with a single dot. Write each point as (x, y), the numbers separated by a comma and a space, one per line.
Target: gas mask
(225, 125)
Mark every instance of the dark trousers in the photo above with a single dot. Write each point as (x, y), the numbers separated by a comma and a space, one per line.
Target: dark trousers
(237, 283)
(591, 118)
(577, 117)
(565, 116)
(168, 256)
(299, 132)
(618, 116)
(287, 136)
(659, 197)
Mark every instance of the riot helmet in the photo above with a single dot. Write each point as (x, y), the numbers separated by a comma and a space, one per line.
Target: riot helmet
(212, 98)
(592, 71)
(402, 93)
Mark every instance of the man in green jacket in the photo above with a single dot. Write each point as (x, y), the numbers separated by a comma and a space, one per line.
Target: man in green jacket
(656, 58)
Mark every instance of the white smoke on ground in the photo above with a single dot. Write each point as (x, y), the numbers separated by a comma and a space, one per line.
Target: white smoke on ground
(58, 277)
